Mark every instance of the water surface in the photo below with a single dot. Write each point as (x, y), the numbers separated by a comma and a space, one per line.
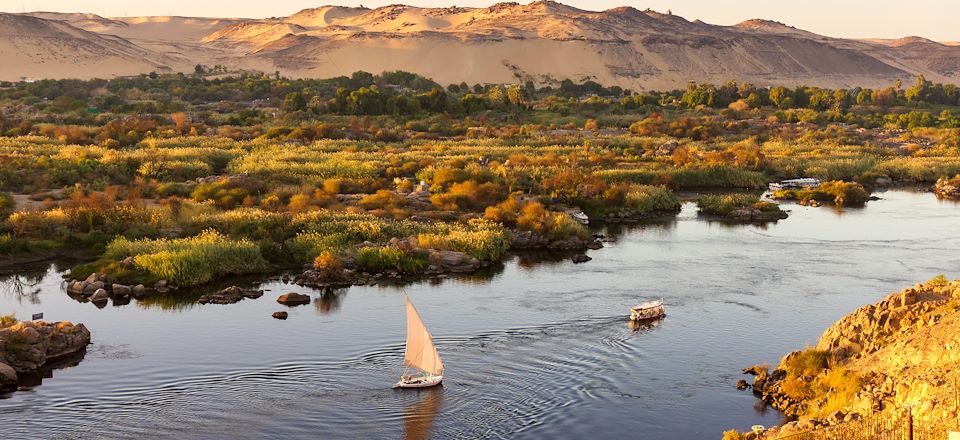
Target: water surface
(537, 349)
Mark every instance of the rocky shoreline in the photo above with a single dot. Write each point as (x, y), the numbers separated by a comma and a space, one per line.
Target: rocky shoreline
(26, 347)
(98, 288)
(900, 352)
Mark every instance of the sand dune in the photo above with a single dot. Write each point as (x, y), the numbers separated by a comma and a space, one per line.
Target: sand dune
(543, 41)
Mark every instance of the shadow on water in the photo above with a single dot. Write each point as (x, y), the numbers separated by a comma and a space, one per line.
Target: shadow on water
(28, 381)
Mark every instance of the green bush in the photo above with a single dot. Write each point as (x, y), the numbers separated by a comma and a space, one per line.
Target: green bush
(190, 261)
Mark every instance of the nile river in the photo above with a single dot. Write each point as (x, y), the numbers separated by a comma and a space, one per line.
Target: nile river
(535, 349)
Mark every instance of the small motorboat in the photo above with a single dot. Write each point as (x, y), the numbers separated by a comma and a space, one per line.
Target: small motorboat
(647, 310)
(420, 354)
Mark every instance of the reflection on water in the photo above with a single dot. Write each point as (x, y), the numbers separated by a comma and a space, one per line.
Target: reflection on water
(329, 301)
(418, 417)
(533, 348)
(22, 287)
(28, 381)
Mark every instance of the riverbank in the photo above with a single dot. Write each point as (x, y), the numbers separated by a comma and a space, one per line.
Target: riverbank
(898, 353)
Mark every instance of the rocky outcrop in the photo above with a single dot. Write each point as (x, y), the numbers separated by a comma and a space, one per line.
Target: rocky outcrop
(230, 295)
(27, 346)
(903, 350)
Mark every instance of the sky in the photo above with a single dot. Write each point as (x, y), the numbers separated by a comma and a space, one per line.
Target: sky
(934, 19)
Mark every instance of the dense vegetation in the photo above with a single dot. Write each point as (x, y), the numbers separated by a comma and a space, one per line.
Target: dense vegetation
(327, 172)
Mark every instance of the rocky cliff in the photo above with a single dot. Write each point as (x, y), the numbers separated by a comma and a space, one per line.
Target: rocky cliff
(902, 352)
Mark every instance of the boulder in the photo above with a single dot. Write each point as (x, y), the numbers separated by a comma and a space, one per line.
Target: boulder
(293, 299)
(280, 315)
(121, 290)
(88, 289)
(742, 384)
(8, 376)
(452, 261)
(75, 287)
(99, 296)
(139, 291)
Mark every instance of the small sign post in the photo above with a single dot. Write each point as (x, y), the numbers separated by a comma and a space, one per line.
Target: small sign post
(37, 316)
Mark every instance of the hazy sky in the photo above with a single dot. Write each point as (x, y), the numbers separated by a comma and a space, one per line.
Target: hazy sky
(935, 19)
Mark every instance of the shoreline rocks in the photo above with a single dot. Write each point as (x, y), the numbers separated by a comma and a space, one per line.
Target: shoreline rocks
(90, 289)
(27, 346)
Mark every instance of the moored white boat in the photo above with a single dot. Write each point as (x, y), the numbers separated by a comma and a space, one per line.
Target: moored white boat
(647, 310)
(420, 354)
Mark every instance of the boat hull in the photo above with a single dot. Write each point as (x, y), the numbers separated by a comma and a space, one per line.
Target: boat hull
(420, 382)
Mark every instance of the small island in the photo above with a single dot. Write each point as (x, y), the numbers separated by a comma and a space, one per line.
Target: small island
(739, 208)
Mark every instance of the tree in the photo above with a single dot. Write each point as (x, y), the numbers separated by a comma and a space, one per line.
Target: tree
(920, 92)
(294, 101)
(778, 94)
(198, 69)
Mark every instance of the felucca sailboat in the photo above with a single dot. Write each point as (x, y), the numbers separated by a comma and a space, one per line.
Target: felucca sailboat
(420, 354)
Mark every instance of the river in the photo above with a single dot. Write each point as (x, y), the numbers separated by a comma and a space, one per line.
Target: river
(534, 349)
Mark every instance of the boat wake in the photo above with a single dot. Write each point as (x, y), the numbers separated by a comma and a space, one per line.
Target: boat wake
(498, 384)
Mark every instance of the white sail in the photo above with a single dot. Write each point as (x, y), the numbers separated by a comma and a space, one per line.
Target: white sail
(420, 353)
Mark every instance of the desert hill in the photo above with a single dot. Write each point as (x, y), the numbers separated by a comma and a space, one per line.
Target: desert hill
(543, 41)
(34, 47)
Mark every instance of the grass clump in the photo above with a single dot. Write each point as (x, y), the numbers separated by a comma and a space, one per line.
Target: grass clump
(189, 261)
(485, 240)
(378, 259)
(817, 383)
